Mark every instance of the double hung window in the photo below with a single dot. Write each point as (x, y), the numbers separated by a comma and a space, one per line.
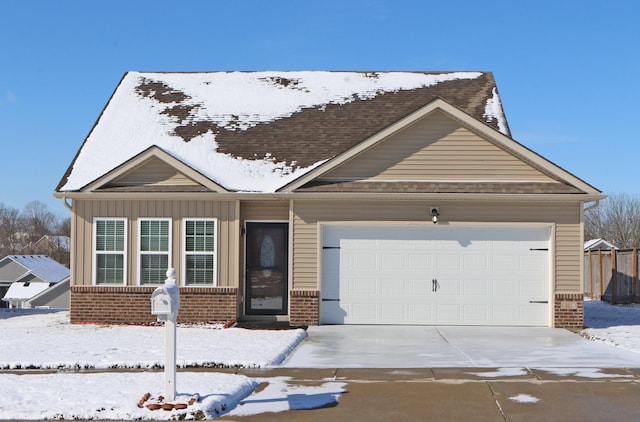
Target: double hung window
(154, 255)
(200, 252)
(110, 254)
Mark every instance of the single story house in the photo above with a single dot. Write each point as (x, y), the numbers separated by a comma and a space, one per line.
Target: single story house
(321, 198)
(34, 281)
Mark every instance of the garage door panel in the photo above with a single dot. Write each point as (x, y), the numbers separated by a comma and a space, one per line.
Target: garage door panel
(476, 288)
(393, 262)
(448, 263)
(364, 286)
(478, 313)
(503, 263)
(504, 313)
(417, 288)
(475, 263)
(449, 287)
(484, 275)
(419, 263)
(508, 288)
(393, 312)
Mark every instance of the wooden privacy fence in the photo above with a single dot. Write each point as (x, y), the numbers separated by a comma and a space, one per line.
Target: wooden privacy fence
(612, 275)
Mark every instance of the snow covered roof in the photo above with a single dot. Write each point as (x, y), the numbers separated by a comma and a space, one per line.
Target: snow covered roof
(24, 290)
(259, 131)
(598, 244)
(43, 267)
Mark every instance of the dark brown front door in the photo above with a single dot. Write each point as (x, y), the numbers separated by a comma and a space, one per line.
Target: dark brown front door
(266, 285)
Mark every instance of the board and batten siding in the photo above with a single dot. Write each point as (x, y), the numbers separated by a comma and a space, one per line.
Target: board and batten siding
(564, 216)
(437, 148)
(154, 172)
(86, 210)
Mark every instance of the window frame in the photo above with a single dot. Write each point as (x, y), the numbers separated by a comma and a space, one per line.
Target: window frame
(214, 253)
(140, 252)
(94, 252)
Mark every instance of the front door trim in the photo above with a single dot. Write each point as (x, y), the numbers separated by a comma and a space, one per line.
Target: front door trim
(270, 263)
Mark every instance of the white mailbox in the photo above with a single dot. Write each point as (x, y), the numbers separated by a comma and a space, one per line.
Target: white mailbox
(165, 300)
(165, 304)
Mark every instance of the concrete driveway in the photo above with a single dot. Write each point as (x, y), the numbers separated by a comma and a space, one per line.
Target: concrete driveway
(358, 346)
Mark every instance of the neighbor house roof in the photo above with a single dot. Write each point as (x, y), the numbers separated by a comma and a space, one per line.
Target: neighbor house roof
(24, 290)
(598, 244)
(259, 131)
(63, 242)
(43, 267)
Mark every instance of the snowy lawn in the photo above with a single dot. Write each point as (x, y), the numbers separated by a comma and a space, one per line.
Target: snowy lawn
(617, 325)
(46, 340)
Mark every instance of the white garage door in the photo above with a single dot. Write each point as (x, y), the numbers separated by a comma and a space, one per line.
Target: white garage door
(448, 275)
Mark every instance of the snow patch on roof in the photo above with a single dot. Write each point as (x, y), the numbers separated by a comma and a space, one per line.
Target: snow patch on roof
(240, 100)
(262, 174)
(493, 111)
(147, 108)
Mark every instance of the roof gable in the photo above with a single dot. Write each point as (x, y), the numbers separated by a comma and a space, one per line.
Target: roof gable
(524, 164)
(437, 149)
(259, 131)
(153, 170)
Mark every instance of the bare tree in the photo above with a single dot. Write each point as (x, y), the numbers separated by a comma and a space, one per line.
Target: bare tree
(9, 230)
(38, 220)
(616, 220)
(64, 227)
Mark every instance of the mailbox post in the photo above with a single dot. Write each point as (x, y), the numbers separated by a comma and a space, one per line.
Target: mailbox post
(165, 303)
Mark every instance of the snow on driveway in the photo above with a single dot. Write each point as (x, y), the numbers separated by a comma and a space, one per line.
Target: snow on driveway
(46, 340)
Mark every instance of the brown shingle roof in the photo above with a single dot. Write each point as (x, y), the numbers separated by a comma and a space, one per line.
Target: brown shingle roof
(309, 135)
(434, 187)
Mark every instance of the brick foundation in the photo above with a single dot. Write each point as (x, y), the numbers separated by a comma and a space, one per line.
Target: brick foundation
(568, 311)
(132, 305)
(304, 308)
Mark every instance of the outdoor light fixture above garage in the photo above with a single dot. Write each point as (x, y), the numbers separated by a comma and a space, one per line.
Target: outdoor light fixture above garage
(434, 215)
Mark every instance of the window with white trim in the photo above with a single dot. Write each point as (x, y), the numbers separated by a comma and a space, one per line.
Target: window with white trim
(200, 236)
(154, 250)
(110, 254)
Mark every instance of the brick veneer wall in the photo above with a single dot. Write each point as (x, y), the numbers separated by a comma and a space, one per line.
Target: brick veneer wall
(304, 308)
(569, 310)
(132, 305)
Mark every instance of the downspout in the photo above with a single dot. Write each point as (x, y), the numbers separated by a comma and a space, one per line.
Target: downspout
(66, 204)
(592, 206)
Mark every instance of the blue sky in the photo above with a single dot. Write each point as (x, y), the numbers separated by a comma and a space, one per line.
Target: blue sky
(568, 71)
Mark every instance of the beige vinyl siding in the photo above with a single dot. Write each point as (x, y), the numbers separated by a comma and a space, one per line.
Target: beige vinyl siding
(565, 218)
(86, 210)
(264, 210)
(437, 148)
(153, 172)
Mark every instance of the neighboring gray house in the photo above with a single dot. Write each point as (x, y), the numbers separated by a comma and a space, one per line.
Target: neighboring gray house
(33, 281)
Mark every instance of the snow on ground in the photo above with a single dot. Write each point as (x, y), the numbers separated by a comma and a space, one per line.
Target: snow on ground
(50, 341)
(616, 325)
(46, 340)
(524, 398)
